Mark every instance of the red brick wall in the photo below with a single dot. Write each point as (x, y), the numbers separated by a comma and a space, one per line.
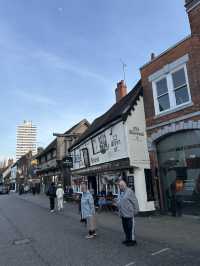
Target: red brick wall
(190, 46)
(194, 18)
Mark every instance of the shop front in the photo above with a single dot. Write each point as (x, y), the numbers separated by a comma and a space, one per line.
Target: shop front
(179, 168)
(102, 178)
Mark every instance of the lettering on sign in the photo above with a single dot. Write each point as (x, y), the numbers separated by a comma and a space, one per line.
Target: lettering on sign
(95, 160)
(135, 131)
(115, 142)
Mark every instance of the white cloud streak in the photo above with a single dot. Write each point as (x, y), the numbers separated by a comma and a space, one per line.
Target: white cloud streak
(34, 98)
(60, 63)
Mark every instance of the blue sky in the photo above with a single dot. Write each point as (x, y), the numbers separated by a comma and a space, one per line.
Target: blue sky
(60, 59)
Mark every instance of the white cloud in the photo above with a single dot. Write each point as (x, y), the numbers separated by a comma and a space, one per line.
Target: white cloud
(33, 97)
(60, 63)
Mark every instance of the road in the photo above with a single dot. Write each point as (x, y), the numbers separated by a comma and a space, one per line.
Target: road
(31, 235)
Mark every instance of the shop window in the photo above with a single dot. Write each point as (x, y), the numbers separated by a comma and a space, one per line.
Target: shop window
(149, 184)
(179, 167)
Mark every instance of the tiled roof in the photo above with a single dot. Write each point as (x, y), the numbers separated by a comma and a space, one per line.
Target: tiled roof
(120, 109)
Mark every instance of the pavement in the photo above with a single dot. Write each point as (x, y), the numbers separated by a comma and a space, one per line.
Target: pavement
(31, 235)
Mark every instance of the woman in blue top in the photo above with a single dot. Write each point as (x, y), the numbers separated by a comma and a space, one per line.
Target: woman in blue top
(88, 210)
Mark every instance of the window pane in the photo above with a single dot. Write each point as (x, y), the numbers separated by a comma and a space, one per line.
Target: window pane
(181, 95)
(179, 78)
(161, 86)
(164, 102)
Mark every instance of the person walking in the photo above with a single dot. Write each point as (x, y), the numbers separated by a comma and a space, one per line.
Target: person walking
(59, 195)
(52, 194)
(128, 207)
(88, 211)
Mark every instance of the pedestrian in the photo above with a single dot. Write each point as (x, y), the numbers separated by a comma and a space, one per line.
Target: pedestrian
(79, 209)
(59, 195)
(52, 194)
(88, 210)
(128, 207)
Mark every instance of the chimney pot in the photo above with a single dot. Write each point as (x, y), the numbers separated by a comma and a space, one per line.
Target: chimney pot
(152, 56)
(121, 90)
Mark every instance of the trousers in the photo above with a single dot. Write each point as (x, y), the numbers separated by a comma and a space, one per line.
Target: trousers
(60, 203)
(91, 223)
(127, 224)
(52, 203)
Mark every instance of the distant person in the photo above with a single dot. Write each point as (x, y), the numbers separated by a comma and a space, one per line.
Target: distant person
(88, 210)
(59, 195)
(34, 189)
(52, 194)
(128, 207)
(79, 208)
(176, 200)
(71, 191)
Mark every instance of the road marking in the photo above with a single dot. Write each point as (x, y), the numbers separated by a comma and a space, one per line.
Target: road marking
(131, 263)
(160, 251)
(21, 241)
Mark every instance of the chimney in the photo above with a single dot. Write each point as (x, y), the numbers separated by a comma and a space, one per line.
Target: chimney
(121, 90)
(153, 56)
(193, 10)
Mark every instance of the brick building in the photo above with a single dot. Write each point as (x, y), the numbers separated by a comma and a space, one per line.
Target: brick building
(171, 86)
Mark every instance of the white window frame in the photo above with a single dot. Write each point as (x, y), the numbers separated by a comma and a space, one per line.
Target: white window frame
(171, 90)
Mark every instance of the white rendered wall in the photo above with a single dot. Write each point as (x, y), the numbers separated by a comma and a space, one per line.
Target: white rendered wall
(138, 153)
(140, 191)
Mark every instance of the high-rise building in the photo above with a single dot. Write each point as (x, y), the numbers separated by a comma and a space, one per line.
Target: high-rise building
(26, 139)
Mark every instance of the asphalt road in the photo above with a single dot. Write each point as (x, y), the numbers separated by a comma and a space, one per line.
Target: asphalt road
(30, 235)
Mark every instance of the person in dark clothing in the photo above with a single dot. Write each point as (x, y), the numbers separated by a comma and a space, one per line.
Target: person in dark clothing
(79, 208)
(52, 194)
(176, 201)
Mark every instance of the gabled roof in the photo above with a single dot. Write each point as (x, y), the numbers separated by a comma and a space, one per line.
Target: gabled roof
(52, 144)
(119, 110)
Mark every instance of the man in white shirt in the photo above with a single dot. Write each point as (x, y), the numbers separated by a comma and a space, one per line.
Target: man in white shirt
(59, 195)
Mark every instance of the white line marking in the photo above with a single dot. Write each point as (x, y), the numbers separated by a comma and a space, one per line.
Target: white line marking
(159, 251)
(131, 263)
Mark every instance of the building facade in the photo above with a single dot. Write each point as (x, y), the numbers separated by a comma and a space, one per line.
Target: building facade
(26, 139)
(52, 161)
(115, 146)
(171, 84)
(21, 172)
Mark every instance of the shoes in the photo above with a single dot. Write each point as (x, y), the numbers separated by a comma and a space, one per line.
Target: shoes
(52, 211)
(95, 234)
(131, 243)
(125, 242)
(89, 236)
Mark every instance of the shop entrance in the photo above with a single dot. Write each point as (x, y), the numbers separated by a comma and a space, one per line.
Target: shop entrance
(92, 184)
(179, 167)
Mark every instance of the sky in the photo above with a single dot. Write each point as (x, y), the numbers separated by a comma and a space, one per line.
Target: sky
(60, 60)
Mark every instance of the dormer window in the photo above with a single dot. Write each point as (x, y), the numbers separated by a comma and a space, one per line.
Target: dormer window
(171, 87)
